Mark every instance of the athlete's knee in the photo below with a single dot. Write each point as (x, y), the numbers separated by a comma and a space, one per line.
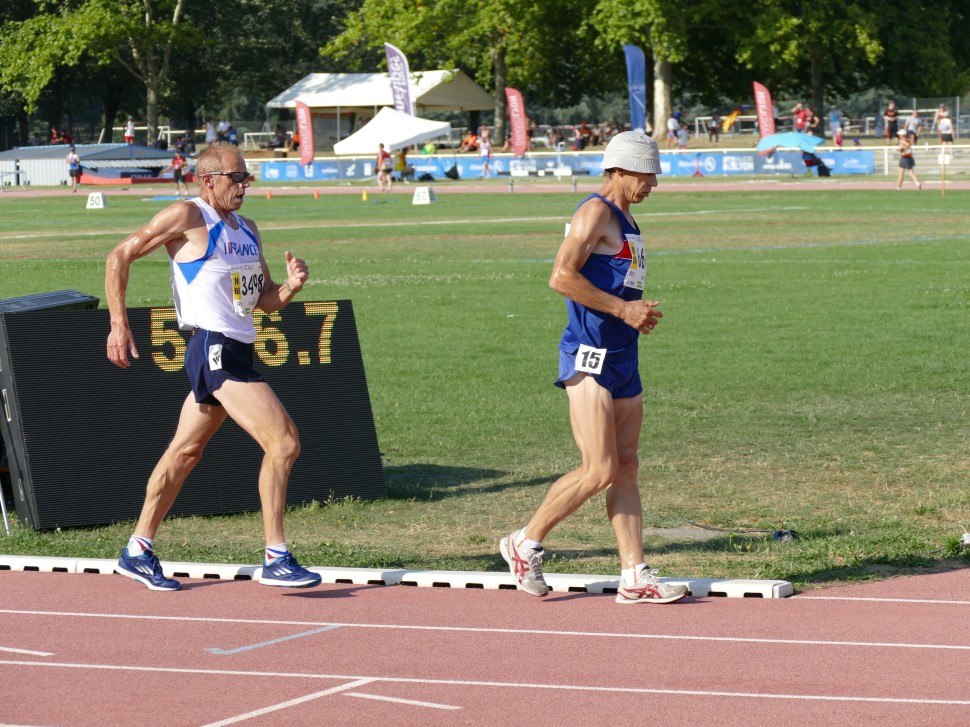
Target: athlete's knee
(628, 465)
(186, 454)
(601, 475)
(287, 447)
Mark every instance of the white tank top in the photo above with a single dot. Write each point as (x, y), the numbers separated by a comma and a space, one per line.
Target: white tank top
(218, 291)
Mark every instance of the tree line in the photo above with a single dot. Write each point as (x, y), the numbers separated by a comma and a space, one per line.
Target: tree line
(173, 58)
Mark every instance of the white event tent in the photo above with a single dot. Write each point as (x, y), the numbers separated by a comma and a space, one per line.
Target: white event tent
(341, 103)
(394, 129)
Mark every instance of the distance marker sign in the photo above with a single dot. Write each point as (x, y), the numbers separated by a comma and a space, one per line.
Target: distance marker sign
(83, 436)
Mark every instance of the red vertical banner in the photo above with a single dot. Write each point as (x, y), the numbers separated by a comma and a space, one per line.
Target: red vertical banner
(766, 116)
(304, 127)
(517, 121)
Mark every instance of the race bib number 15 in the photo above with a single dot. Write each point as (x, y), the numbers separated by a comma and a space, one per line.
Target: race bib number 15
(590, 359)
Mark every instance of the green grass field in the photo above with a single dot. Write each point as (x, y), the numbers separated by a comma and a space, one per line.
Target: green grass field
(811, 373)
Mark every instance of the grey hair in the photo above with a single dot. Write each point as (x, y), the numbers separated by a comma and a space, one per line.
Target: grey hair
(210, 159)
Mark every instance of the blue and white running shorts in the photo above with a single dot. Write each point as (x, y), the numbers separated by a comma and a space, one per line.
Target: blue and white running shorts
(211, 358)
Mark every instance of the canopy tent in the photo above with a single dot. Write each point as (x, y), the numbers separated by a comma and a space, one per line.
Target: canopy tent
(357, 92)
(394, 129)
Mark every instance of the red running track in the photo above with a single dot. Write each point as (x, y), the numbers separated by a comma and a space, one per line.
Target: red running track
(107, 652)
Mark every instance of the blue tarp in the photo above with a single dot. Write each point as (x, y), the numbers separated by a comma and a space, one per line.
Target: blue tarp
(678, 165)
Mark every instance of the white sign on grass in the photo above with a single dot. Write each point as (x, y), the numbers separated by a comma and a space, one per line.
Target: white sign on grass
(423, 195)
(97, 201)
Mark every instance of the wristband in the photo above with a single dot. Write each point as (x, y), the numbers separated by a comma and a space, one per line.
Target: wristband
(287, 284)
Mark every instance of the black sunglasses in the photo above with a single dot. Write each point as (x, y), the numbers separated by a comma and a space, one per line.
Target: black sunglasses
(235, 177)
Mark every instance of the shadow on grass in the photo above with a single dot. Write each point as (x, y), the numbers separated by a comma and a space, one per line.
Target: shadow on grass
(878, 569)
(437, 482)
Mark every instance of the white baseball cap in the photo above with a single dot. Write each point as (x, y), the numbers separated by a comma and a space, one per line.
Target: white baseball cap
(632, 151)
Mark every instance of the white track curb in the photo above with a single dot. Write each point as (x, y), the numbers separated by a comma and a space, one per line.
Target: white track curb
(558, 582)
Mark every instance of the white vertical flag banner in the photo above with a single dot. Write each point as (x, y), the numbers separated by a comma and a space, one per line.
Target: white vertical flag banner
(400, 77)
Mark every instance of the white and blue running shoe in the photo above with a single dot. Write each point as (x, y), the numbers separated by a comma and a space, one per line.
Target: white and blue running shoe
(285, 571)
(146, 570)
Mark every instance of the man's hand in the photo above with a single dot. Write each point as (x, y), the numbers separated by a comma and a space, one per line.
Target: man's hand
(297, 272)
(641, 314)
(120, 342)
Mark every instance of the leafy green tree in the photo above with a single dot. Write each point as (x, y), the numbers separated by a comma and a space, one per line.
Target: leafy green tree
(521, 43)
(661, 28)
(138, 35)
(818, 42)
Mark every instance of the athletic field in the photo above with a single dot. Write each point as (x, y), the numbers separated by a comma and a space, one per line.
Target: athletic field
(810, 374)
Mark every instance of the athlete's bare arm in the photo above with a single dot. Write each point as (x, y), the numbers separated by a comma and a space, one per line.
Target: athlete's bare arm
(168, 227)
(274, 296)
(594, 226)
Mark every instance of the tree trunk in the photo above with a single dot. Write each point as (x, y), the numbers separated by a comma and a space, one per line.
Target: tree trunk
(23, 126)
(109, 106)
(662, 105)
(818, 85)
(151, 112)
(498, 57)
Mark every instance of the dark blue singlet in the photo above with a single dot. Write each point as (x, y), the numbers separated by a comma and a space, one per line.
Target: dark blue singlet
(602, 331)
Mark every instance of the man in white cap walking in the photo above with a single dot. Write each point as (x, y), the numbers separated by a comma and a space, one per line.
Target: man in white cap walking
(600, 269)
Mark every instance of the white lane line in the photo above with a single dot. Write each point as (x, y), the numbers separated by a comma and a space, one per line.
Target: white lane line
(27, 652)
(504, 685)
(291, 703)
(482, 630)
(261, 644)
(418, 223)
(398, 700)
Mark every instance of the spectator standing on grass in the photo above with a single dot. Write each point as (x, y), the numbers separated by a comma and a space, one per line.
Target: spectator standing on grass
(74, 168)
(384, 167)
(714, 127)
(211, 136)
(130, 130)
(485, 152)
(906, 161)
(600, 269)
(835, 120)
(683, 135)
(913, 124)
(890, 122)
(672, 127)
(944, 131)
(178, 167)
(219, 276)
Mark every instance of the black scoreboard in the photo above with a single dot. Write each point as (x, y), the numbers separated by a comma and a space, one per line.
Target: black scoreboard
(83, 436)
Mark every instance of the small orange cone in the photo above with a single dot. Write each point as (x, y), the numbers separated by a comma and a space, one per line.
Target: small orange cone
(363, 197)
(316, 194)
(269, 194)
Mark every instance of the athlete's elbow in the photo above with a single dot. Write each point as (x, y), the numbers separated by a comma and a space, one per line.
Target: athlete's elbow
(557, 281)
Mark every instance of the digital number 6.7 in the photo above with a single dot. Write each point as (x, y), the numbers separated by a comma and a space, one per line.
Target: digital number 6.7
(270, 345)
(328, 310)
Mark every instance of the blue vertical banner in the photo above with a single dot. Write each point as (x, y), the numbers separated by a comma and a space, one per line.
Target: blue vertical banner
(636, 76)
(399, 75)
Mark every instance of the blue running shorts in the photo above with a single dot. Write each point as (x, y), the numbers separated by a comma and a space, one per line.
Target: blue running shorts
(621, 378)
(211, 358)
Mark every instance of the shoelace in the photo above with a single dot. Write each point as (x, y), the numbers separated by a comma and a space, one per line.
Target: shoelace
(156, 564)
(535, 563)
